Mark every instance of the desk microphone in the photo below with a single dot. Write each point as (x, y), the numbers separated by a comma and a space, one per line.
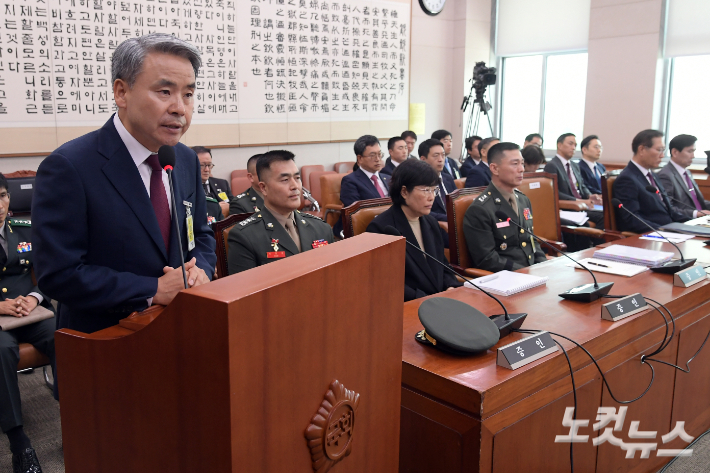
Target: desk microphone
(309, 197)
(671, 267)
(583, 293)
(506, 323)
(166, 158)
(654, 190)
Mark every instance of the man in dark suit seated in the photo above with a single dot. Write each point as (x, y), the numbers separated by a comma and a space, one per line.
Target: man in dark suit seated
(414, 190)
(432, 152)
(474, 156)
(367, 182)
(112, 248)
(411, 138)
(218, 189)
(570, 185)
(630, 187)
(480, 175)
(250, 200)
(398, 154)
(533, 139)
(450, 164)
(495, 245)
(678, 181)
(18, 298)
(590, 167)
(278, 230)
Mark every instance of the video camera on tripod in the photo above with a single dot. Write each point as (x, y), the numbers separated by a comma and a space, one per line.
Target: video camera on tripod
(483, 76)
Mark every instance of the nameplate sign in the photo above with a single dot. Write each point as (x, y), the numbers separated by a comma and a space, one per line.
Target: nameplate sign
(690, 276)
(624, 307)
(526, 350)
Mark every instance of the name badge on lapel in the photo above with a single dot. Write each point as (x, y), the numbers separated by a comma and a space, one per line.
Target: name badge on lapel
(189, 224)
(223, 196)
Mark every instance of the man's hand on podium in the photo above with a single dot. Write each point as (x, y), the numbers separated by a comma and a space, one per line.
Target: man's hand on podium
(171, 282)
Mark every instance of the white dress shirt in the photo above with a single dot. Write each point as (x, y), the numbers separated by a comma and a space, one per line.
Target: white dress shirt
(644, 171)
(592, 165)
(140, 154)
(574, 178)
(383, 186)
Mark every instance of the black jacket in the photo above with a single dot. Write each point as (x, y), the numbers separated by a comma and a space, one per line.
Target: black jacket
(422, 276)
(478, 175)
(438, 209)
(218, 186)
(630, 189)
(564, 191)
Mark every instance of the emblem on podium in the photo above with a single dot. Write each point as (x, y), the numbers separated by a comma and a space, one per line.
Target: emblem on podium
(330, 434)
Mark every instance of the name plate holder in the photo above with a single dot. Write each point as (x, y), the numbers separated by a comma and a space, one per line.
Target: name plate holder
(690, 276)
(624, 307)
(526, 350)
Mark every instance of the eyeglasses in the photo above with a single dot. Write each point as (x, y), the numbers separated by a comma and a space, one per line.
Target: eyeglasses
(207, 166)
(429, 190)
(374, 156)
(4, 196)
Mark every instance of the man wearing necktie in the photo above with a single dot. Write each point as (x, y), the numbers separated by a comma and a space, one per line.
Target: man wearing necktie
(105, 240)
(684, 194)
(450, 165)
(216, 188)
(589, 166)
(432, 152)
(630, 187)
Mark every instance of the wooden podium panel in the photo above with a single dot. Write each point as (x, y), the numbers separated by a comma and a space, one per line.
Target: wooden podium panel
(228, 377)
(470, 415)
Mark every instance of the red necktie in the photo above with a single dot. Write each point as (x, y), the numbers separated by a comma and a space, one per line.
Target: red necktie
(376, 182)
(572, 185)
(159, 199)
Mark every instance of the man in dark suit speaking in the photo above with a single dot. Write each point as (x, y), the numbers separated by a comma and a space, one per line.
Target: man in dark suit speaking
(105, 242)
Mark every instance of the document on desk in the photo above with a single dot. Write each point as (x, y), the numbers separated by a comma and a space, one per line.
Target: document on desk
(610, 267)
(579, 218)
(672, 236)
(507, 283)
(703, 221)
(633, 255)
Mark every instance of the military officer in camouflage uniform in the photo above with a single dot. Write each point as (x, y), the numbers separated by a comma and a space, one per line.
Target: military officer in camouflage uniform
(18, 297)
(495, 244)
(278, 230)
(251, 199)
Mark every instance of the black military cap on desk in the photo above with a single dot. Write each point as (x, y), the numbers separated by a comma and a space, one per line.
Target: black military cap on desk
(455, 327)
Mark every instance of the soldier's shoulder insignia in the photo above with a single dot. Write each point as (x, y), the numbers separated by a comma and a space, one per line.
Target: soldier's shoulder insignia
(304, 214)
(246, 222)
(210, 199)
(21, 222)
(482, 198)
(240, 196)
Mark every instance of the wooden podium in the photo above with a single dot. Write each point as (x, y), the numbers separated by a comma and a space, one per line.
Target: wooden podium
(231, 375)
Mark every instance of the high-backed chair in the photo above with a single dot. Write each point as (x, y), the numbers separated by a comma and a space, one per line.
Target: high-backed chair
(21, 186)
(609, 210)
(221, 232)
(330, 192)
(31, 358)
(358, 215)
(306, 172)
(314, 184)
(541, 189)
(460, 183)
(456, 205)
(238, 173)
(240, 184)
(344, 167)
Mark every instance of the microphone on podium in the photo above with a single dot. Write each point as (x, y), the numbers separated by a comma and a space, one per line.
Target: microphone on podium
(583, 293)
(654, 190)
(505, 322)
(166, 158)
(671, 267)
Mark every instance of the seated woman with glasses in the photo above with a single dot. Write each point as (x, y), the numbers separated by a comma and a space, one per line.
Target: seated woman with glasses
(413, 188)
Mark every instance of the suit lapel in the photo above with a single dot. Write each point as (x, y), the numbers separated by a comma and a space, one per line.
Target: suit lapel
(124, 176)
(305, 232)
(12, 242)
(681, 182)
(402, 224)
(428, 238)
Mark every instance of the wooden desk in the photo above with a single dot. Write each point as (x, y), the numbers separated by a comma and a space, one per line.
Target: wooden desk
(467, 414)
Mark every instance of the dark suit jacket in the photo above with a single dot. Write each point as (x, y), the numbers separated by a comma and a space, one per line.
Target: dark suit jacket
(467, 165)
(478, 176)
(98, 248)
(677, 188)
(588, 176)
(389, 167)
(217, 186)
(630, 189)
(454, 168)
(555, 166)
(422, 276)
(357, 186)
(438, 209)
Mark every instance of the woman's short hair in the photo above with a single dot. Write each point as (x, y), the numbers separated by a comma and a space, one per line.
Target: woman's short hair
(533, 155)
(410, 174)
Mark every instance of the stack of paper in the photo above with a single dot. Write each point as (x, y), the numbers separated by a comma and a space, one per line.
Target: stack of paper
(674, 237)
(633, 255)
(610, 267)
(506, 283)
(577, 217)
